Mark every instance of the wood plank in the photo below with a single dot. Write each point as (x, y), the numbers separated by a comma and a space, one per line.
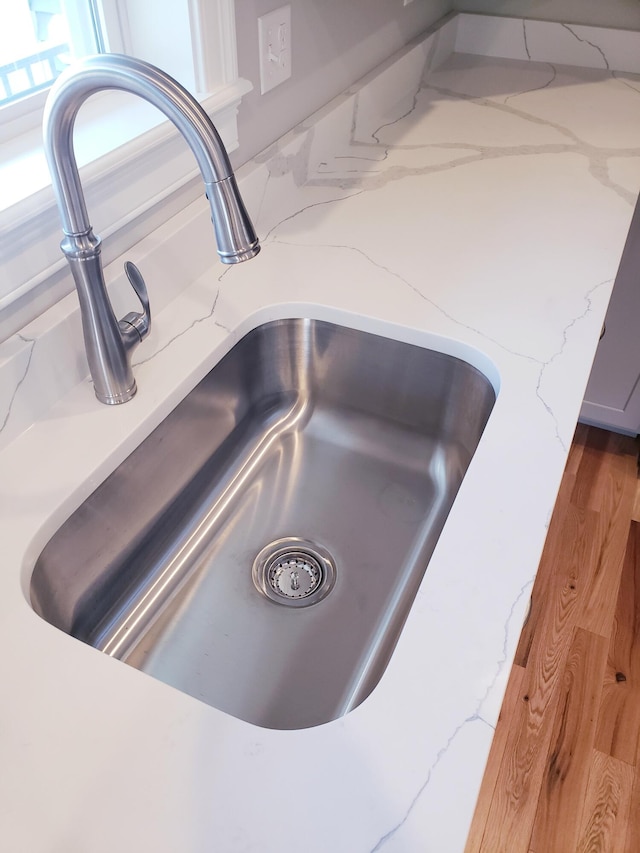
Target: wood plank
(615, 500)
(515, 801)
(567, 765)
(632, 841)
(510, 704)
(598, 477)
(618, 731)
(517, 789)
(569, 545)
(592, 461)
(635, 513)
(600, 590)
(526, 808)
(607, 806)
(576, 451)
(606, 456)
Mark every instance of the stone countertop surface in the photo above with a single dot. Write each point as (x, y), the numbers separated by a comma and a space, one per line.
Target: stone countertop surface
(473, 204)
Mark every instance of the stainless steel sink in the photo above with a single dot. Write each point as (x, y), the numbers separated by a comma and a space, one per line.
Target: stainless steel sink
(261, 549)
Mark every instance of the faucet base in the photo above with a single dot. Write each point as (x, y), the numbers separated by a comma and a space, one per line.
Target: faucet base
(116, 399)
(238, 258)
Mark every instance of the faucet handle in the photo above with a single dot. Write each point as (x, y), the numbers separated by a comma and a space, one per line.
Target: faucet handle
(135, 327)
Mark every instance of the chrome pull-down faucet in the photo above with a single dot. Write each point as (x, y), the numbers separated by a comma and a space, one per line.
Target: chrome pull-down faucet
(109, 343)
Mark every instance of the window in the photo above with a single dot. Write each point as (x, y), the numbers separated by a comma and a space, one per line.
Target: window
(136, 170)
(39, 39)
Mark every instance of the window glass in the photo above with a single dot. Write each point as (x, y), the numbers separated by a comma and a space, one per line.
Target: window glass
(38, 40)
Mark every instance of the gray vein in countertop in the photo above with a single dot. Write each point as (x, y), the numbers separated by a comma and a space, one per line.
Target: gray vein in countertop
(472, 718)
(368, 180)
(392, 832)
(616, 76)
(524, 36)
(426, 70)
(304, 209)
(596, 157)
(374, 134)
(192, 325)
(565, 331)
(554, 74)
(414, 102)
(591, 44)
(263, 196)
(32, 346)
(298, 164)
(481, 101)
(354, 142)
(524, 589)
(357, 157)
(415, 289)
(354, 117)
(279, 164)
(350, 171)
(599, 169)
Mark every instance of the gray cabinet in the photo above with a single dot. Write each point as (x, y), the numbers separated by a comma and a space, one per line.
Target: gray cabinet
(612, 398)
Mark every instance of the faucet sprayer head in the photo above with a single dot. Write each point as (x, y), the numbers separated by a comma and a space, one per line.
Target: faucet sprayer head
(235, 237)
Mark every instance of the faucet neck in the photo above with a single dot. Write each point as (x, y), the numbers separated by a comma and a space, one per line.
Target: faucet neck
(112, 71)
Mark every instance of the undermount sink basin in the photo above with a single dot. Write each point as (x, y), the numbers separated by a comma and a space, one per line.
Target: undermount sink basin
(261, 549)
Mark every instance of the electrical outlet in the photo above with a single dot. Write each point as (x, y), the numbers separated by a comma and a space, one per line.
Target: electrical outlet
(274, 34)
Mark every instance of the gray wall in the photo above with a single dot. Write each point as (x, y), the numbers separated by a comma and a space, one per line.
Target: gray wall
(622, 14)
(334, 43)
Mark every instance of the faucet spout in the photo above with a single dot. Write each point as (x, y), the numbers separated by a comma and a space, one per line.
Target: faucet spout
(109, 343)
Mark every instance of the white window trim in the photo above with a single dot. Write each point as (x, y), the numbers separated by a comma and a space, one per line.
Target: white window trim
(142, 179)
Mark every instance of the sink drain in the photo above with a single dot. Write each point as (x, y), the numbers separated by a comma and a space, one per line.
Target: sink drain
(294, 572)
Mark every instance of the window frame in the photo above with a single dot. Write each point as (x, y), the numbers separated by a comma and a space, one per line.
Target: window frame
(138, 180)
(18, 116)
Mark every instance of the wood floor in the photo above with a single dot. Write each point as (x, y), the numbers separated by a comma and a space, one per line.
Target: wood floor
(564, 771)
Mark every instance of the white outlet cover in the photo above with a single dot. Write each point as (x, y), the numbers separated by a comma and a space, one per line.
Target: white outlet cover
(274, 37)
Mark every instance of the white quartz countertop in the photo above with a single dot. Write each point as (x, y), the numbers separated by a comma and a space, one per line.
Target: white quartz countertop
(477, 205)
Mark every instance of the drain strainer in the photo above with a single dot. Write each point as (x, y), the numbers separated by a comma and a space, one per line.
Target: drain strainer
(294, 571)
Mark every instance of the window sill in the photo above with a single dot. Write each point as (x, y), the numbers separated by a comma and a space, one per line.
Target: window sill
(137, 172)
